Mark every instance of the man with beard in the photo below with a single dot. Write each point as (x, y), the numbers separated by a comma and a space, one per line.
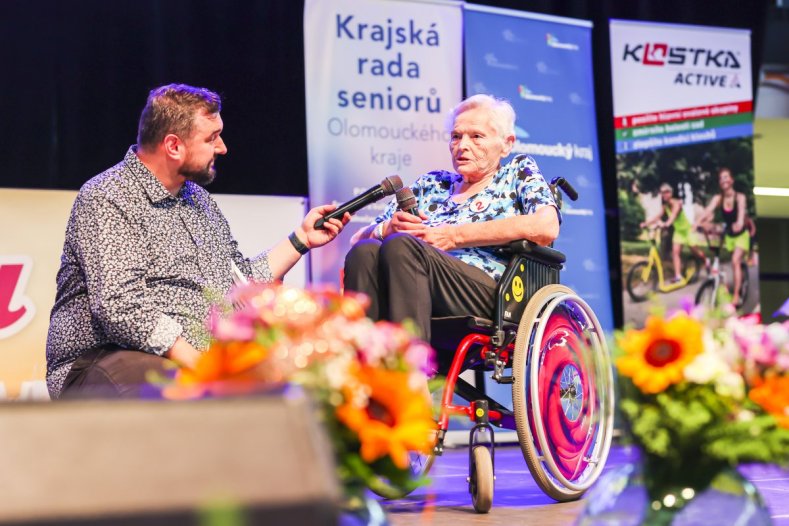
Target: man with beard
(144, 245)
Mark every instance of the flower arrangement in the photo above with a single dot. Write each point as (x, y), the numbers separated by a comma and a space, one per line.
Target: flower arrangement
(701, 392)
(368, 378)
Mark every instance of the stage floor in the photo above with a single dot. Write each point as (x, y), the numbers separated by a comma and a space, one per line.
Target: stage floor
(518, 501)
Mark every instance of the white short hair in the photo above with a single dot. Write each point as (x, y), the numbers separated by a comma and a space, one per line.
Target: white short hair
(502, 115)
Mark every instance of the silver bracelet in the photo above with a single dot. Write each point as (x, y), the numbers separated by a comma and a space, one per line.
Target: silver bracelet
(378, 231)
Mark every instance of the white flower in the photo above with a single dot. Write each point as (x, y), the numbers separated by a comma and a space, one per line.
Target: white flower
(779, 334)
(715, 366)
(745, 415)
(728, 350)
(337, 369)
(730, 384)
(706, 367)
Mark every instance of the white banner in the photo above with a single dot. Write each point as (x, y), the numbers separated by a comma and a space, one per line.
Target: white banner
(380, 77)
(683, 114)
(658, 67)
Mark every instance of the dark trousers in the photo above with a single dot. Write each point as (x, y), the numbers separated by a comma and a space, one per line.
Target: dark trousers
(405, 278)
(112, 372)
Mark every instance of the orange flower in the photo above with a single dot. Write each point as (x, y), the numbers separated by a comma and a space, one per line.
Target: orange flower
(773, 395)
(225, 368)
(655, 356)
(396, 419)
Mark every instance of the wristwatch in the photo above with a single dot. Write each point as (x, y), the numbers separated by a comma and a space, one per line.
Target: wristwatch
(300, 247)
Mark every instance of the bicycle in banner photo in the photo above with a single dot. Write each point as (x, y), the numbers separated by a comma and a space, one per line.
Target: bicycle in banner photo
(716, 290)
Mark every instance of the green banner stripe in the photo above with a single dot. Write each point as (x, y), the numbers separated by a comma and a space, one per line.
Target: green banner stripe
(707, 123)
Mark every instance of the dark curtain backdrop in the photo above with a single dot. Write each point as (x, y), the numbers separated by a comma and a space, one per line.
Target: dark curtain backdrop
(75, 75)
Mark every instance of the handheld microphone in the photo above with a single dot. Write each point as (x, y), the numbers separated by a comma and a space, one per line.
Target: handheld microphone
(406, 201)
(388, 186)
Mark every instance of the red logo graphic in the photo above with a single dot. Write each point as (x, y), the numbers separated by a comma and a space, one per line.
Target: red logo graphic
(652, 54)
(655, 54)
(16, 309)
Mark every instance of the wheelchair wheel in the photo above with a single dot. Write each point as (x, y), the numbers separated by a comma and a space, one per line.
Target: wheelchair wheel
(481, 483)
(562, 392)
(641, 281)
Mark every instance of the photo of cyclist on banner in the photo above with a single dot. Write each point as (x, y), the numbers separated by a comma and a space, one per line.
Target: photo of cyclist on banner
(673, 216)
(737, 239)
(687, 228)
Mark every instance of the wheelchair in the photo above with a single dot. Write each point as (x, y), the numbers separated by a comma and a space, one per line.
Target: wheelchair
(561, 377)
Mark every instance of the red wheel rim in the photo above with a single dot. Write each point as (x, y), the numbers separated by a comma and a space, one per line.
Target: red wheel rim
(566, 401)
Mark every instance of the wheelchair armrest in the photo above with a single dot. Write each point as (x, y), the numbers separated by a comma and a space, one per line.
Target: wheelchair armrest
(534, 251)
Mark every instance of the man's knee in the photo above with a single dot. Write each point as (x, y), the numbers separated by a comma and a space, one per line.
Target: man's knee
(117, 373)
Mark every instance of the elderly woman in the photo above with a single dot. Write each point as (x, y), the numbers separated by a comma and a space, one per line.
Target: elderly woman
(443, 262)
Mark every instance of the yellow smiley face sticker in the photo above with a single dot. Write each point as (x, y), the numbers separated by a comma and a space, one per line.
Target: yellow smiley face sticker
(517, 289)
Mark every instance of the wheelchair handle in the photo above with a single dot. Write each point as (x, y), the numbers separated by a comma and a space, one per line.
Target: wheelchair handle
(566, 187)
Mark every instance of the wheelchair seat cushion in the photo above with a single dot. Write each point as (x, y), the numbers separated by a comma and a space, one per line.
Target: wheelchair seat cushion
(447, 332)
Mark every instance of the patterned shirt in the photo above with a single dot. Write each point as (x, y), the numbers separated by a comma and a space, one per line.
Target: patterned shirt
(137, 265)
(517, 188)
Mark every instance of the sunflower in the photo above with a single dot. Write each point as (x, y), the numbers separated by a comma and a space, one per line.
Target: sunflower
(773, 395)
(225, 368)
(396, 419)
(655, 356)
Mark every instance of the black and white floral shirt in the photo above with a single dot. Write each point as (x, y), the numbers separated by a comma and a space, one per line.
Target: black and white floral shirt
(136, 267)
(517, 188)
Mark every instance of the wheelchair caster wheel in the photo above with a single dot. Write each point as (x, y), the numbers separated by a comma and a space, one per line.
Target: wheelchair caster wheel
(481, 484)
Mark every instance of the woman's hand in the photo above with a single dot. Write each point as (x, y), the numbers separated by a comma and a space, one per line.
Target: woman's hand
(406, 223)
(441, 237)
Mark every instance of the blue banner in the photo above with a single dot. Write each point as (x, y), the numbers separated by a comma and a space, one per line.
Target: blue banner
(543, 66)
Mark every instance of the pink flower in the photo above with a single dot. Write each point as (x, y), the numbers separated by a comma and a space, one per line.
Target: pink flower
(420, 355)
(236, 326)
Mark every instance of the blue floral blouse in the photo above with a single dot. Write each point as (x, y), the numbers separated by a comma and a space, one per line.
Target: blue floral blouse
(517, 188)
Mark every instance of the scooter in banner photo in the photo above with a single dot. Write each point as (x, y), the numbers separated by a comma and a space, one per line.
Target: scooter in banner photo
(648, 276)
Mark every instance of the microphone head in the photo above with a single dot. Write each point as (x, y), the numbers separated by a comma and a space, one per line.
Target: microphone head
(406, 200)
(391, 184)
